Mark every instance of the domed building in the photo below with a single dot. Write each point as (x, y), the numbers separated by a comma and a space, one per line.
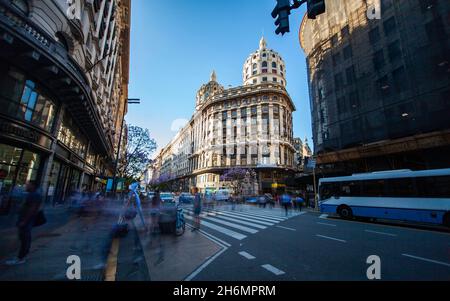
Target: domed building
(264, 65)
(249, 126)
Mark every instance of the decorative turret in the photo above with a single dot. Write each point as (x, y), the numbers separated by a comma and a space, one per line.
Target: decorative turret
(264, 65)
(208, 90)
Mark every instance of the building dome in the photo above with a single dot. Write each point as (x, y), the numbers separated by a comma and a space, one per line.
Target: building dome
(264, 65)
(207, 90)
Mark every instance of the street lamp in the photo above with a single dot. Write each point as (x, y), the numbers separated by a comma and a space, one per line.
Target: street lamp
(128, 101)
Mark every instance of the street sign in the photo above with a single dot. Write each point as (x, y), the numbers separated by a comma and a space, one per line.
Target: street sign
(311, 163)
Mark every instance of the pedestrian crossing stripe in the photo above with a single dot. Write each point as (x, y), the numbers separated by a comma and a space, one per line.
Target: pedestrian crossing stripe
(220, 229)
(243, 221)
(245, 218)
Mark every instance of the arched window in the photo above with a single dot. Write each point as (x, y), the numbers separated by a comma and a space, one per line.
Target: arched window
(281, 67)
(255, 66)
(264, 64)
(274, 65)
(21, 5)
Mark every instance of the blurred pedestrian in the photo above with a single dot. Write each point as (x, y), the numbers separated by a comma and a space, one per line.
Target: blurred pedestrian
(197, 208)
(155, 210)
(286, 202)
(300, 202)
(27, 218)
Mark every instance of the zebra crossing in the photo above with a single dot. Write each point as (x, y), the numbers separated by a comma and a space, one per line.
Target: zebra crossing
(240, 222)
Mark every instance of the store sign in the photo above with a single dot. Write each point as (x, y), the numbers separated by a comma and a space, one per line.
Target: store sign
(11, 129)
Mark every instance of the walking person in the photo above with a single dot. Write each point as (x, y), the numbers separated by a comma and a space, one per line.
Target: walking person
(300, 202)
(155, 210)
(286, 202)
(27, 217)
(197, 208)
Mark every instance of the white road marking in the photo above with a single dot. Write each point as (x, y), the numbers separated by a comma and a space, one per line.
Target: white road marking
(427, 260)
(323, 216)
(212, 237)
(247, 219)
(271, 216)
(241, 222)
(220, 229)
(332, 238)
(326, 224)
(269, 219)
(247, 255)
(381, 233)
(273, 269)
(286, 228)
(243, 228)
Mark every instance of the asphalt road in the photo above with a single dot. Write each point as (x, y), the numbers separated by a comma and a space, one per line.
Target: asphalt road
(262, 244)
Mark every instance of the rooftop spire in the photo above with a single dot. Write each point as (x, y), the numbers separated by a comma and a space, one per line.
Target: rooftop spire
(213, 77)
(262, 43)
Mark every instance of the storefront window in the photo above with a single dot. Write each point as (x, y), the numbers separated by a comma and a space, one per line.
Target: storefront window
(17, 167)
(71, 136)
(22, 99)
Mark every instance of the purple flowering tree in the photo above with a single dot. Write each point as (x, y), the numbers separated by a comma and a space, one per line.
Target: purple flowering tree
(238, 178)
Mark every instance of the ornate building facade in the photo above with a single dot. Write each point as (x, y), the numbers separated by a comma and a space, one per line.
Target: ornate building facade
(249, 126)
(379, 86)
(64, 80)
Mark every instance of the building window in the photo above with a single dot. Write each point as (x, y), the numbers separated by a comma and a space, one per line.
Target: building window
(264, 64)
(336, 59)
(21, 5)
(378, 59)
(385, 4)
(345, 31)
(254, 81)
(274, 79)
(274, 65)
(394, 51)
(347, 52)
(21, 98)
(399, 79)
(374, 35)
(350, 74)
(389, 26)
(334, 40)
(338, 81)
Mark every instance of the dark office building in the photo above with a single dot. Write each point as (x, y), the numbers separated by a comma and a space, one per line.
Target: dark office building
(380, 87)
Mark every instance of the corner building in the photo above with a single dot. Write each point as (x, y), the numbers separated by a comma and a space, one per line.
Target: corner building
(249, 126)
(63, 90)
(379, 88)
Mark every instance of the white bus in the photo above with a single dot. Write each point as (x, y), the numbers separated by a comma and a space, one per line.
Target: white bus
(418, 196)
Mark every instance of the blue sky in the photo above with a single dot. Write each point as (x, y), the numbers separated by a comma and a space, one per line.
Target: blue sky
(176, 44)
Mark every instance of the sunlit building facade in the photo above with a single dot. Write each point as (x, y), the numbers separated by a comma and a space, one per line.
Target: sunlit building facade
(249, 126)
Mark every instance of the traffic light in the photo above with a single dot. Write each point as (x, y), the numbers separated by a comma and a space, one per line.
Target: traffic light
(282, 10)
(315, 8)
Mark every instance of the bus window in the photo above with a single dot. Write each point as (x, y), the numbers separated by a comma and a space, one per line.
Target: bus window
(402, 187)
(351, 188)
(435, 187)
(328, 190)
(372, 188)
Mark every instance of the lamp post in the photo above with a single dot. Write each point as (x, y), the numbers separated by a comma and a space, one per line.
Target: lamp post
(128, 101)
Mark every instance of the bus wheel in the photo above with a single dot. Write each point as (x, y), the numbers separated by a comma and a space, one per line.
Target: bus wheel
(446, 219)
(345, 212)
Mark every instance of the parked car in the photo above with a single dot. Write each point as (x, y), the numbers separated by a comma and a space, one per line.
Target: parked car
(222, 195)
(186, 198)
(167, 197)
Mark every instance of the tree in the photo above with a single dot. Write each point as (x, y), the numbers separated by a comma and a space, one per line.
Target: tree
(140, 147)
(238, 177)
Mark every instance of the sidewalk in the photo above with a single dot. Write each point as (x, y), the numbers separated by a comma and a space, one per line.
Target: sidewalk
(63, 235)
